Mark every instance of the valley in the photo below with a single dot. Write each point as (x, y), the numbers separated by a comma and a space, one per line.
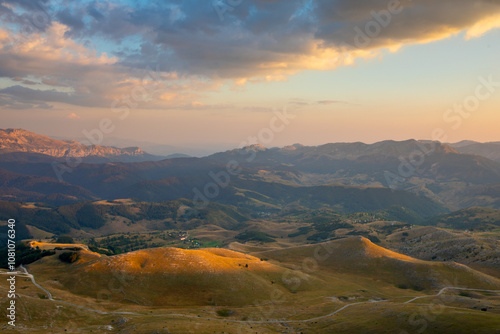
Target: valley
(297, 240)
(310, 271)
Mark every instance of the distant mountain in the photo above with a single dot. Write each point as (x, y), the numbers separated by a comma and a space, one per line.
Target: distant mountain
(161, 149)
(187, 178)
(345, 160)
(432, 169)
(343, 176)
(488, 150)
(25, 143)
(463, 143)
(32, 188)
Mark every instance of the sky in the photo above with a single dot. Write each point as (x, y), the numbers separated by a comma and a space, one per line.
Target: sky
(227, 73)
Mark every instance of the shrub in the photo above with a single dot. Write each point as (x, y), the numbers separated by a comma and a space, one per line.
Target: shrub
(65, 239)
(464, 294)
(254, 236)
(224, 312)
(24, 255)
(69, 257)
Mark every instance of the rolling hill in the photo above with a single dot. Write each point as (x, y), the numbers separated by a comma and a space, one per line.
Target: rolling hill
(19, 187)
(353, 285)
(358, 255)
(222, 277)
(173, 277)
(488, 150)
(478, 251)
(476, 218)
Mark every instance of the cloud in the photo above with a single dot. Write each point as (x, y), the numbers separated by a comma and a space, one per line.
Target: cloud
(306, 102)
(25, 81)
(483, 26)
(269, 40)
(51, 81)
(256, 41)
(327, 102)
(410, 22)
(33, 5)
(70, 19)
(8, 101)
(36, 95)
(78, 75)
(73, 116)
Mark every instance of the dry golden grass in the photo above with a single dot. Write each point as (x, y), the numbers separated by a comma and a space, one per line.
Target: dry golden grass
(48, 246)
(176, 260)
(360, 256)
(158, 283)
(372, 250)
(170, 277)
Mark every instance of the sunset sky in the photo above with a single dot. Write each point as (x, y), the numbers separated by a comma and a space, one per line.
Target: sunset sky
(215, 72)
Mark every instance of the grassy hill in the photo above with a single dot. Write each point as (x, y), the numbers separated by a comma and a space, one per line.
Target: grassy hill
(355, 285)
(476, 218)
(274, 196)
(478, 250)
(15, 186)
(174, 277)
(94, 215)
(360, 256)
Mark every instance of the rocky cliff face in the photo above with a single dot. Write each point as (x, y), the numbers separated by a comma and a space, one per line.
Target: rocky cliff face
(19, 140)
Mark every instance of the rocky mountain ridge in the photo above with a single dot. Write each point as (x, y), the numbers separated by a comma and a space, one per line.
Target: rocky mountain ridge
(19, 140)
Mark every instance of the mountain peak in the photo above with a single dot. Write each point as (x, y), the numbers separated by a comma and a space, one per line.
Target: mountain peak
(23, 141)
(255, 147)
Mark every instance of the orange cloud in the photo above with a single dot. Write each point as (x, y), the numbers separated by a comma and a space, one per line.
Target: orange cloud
(73, 116)
(483, 26)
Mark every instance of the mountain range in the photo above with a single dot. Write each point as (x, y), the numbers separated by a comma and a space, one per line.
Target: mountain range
(342, 237)
(489, 150)
(265, 178)
(21, 142)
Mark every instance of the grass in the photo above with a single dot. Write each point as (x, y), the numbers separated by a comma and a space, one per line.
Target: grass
(215, 282)
(212, 244)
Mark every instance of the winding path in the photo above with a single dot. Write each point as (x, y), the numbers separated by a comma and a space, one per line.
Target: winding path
(448, 288)
(275, 321)
(49, 295)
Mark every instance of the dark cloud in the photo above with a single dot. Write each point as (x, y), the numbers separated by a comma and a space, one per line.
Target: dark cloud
(341, 20)
(19, 102)
(33, 5)
(190, 37)
(247, 40)
(235, 39)
(35, 16)
(92, 11)
(74, 21)
(32, 97)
